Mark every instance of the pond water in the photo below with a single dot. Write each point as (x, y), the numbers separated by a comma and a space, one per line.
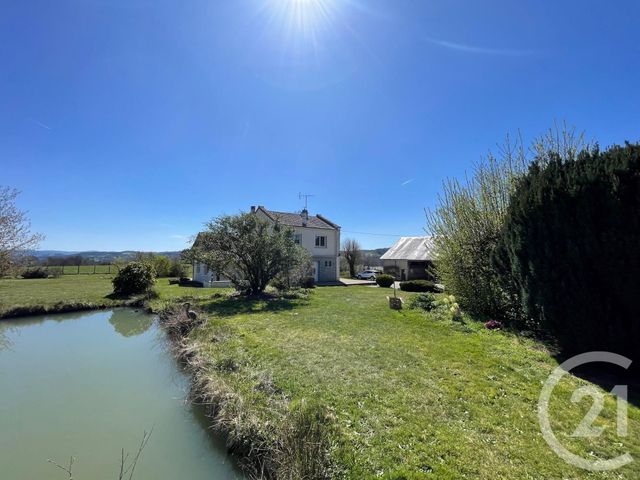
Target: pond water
(89, 384)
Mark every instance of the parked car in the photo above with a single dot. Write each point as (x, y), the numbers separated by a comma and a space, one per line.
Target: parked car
(367, 275)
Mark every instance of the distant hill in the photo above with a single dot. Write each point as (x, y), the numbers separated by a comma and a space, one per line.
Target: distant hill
(370, 258)
(94, 255)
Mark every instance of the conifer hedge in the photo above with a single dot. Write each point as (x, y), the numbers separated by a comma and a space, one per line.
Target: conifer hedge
(570, 249)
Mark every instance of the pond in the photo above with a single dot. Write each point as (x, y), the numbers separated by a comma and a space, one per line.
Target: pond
(88, 385)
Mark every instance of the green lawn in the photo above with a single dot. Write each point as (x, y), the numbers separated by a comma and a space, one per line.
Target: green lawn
(95, 289)
(414, 396)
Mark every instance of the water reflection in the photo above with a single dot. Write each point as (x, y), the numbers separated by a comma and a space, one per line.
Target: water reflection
(130, 323)
(104, 380)
(5, 341)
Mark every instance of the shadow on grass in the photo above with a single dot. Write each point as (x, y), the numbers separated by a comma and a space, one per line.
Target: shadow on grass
(608, 376)
(134, 297)
(237, 305)
(118, 296)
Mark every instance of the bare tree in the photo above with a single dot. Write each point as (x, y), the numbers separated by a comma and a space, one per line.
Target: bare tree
(15, 230)
(351, 252)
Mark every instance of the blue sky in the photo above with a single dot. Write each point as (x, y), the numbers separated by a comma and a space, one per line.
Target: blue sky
(127, 124)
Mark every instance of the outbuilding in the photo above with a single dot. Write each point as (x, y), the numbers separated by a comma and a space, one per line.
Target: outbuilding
(410, 258)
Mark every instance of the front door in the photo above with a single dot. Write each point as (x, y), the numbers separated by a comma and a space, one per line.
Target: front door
(316, 266)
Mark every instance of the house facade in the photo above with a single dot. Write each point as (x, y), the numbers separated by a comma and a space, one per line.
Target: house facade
(317, 234)
(409, 258)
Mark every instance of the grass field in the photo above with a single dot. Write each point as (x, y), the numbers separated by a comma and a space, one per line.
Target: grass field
(413, 396)
(95, 269)
(90, 290)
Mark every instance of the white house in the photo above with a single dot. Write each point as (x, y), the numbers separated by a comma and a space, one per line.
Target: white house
(409, 258)
(317, 234)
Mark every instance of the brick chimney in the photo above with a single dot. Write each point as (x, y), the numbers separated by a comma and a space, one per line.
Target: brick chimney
(305, 217)
(253, 209)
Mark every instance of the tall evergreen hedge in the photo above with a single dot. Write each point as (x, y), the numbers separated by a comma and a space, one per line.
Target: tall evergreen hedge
(570, 249)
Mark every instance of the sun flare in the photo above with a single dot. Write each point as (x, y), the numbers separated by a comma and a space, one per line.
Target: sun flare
(308, 17)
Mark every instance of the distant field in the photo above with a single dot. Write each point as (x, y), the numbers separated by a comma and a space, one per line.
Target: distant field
(95, 269)
(86, 269)
(18, 293)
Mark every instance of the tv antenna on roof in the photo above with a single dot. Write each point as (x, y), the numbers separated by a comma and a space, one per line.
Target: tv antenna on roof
(306, 198)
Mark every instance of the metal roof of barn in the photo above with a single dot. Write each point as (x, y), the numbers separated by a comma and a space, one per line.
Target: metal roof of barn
(411, 248)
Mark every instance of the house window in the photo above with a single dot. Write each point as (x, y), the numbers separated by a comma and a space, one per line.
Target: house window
(197, 268)
(327, 263)
(297, 238)
(321, 241)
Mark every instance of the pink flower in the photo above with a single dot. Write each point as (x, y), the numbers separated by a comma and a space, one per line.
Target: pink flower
(493, 324)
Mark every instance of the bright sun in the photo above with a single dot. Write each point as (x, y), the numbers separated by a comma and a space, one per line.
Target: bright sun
(307, 16)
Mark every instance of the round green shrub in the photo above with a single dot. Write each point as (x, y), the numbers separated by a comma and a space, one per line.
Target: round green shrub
(424, 301)
(136, 277)
(418, 286)
(37, 272)
(384, 280)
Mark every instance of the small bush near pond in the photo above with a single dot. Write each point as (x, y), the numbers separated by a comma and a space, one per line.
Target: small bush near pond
(35, 273)
(384, 280)
(424, 301)
(418, 286)
(307, 282)
(136, 277)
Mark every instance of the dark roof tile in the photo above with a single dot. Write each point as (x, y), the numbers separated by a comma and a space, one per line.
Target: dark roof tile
(295, 219)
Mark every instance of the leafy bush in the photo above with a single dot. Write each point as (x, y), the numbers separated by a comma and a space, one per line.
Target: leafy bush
(307, 282)
(468, 219)
(136, 277)
(449, 305)
(280, 284)
(247, 249)
(291, 277)
(37, 272)
(162, 265)
(418, 286)
(424, 301)
(178, 269)
(384, 280)
(569, 249)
